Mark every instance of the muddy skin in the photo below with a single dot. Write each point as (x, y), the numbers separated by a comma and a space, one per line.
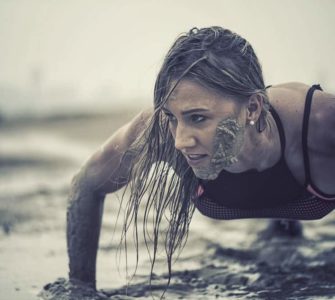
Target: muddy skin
(227, 144)
(84, 215)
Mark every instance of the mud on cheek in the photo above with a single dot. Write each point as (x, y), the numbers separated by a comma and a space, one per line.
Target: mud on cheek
(227, 142)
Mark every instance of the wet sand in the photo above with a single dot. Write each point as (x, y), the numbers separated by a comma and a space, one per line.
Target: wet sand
(222, 259)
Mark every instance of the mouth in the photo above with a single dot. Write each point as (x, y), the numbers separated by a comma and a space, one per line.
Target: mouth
(195, 159)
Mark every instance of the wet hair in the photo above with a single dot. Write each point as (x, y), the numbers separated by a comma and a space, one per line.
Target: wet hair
(217, 59)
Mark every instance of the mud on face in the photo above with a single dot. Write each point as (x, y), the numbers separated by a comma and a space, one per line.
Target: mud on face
(228, 141)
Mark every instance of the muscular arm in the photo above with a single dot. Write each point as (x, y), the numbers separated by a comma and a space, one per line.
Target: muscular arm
(103, 173)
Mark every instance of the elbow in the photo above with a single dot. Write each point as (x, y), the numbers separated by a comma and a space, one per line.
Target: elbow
(82, 182)
(83, 188)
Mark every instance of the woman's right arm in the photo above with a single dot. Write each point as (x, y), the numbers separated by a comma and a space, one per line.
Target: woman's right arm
(103, 173)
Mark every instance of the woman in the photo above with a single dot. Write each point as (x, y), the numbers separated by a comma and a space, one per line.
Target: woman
(217, 139)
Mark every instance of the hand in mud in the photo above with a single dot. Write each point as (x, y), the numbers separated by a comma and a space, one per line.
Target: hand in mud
(63, 289)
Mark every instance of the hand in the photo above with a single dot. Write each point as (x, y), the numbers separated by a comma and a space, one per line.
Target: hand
(63, 289)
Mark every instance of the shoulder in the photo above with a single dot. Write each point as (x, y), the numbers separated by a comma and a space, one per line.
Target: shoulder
(288, 99)
(108, 168)
(124, 137)
(136, 126)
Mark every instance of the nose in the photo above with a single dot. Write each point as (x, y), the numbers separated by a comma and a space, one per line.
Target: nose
(184, 138)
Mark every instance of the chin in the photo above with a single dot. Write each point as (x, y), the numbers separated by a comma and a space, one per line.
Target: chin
(206, 174)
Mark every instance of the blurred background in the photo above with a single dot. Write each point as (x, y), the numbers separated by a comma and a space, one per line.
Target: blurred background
(70, 56)
(71, 72)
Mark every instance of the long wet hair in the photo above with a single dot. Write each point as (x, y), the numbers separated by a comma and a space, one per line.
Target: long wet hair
(219, 60)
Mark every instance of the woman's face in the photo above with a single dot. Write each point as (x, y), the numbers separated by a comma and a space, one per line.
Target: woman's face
(208, 128)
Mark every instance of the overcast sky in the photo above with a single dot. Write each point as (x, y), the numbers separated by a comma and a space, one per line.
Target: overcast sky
(118, 45)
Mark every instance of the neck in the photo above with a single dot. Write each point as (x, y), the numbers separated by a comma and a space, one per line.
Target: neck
(261, 150)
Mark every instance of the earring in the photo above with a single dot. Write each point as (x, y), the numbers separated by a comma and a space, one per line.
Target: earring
(252, 123)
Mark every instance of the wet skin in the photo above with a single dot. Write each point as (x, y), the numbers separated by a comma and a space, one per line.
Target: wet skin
(208, 128)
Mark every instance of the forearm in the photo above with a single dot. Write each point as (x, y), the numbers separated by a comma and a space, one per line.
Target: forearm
(84, 215)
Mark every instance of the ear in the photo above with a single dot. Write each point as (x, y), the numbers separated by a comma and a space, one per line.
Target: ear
(254, 108)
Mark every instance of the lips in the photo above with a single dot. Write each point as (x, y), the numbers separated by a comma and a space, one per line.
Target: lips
(195, 159)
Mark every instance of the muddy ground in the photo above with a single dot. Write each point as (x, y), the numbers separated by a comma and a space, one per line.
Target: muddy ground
(222, 259)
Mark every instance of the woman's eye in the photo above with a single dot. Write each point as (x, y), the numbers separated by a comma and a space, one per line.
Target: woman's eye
(171, 118)
(197, 118)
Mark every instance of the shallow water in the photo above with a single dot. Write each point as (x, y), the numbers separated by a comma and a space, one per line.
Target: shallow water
(226, 260)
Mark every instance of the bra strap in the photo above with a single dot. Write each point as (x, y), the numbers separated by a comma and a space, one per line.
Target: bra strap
(280, 130)
(308, 104)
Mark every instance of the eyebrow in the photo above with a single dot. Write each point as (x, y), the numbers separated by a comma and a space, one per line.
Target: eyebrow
(189, 111)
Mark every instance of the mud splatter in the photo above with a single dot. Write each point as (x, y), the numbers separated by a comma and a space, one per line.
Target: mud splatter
(227, 144)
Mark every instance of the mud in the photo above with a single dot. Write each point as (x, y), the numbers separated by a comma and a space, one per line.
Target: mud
(269, 269)
(227, 143)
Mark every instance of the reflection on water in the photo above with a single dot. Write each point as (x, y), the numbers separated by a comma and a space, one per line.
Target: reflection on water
(225, 260)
